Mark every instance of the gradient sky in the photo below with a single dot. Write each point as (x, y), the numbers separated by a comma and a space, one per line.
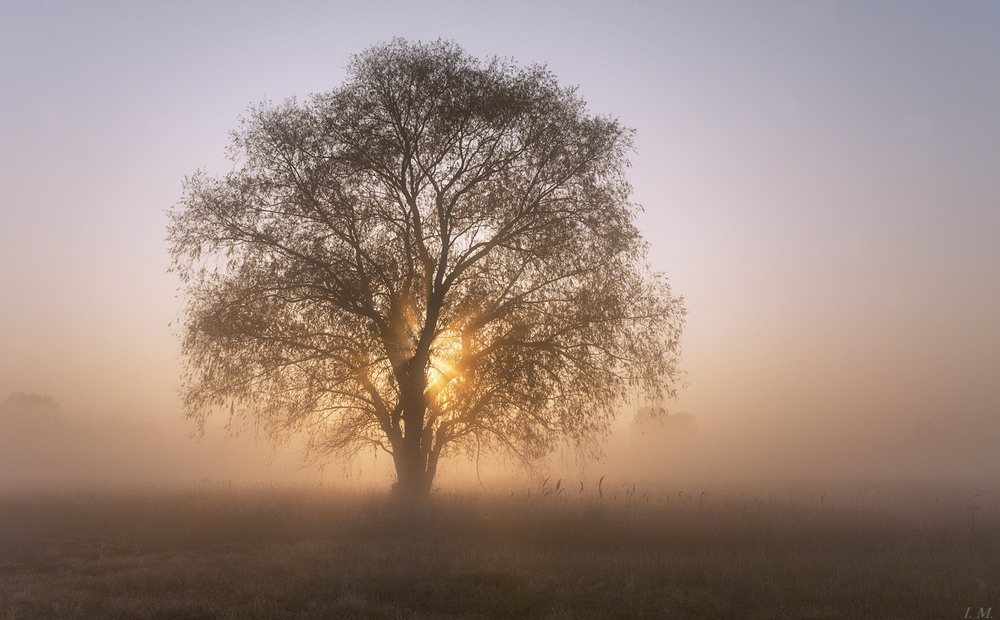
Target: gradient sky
(821, 181)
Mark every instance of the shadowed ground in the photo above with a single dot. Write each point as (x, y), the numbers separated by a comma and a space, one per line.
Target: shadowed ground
(280, 552)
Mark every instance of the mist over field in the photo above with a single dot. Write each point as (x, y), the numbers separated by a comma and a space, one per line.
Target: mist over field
(110, 519)
(46, 446)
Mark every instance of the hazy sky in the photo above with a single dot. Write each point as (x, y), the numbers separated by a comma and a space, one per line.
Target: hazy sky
(821, 181)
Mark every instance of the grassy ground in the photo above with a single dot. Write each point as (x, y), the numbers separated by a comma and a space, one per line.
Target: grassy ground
(215, 552)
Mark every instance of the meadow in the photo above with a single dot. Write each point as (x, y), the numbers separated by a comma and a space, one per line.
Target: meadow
(216, 551)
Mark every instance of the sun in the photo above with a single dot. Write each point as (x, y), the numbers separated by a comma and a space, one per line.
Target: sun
(446, 361)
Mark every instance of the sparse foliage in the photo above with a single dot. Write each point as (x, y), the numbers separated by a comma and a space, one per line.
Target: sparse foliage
(440, 253)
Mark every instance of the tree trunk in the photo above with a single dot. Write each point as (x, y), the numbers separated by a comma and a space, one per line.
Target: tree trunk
(413, 474)
(413, 480)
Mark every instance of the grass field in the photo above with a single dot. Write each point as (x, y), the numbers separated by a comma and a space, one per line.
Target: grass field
(273, 552)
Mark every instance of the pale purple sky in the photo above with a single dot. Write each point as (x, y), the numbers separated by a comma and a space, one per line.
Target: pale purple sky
(821, 182)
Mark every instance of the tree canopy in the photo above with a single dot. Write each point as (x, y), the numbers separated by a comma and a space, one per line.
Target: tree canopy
(440, 253)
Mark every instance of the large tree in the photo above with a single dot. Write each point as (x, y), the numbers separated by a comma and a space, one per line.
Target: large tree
(440, 253)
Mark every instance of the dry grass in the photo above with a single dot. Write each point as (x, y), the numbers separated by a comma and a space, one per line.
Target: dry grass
(218, 552)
